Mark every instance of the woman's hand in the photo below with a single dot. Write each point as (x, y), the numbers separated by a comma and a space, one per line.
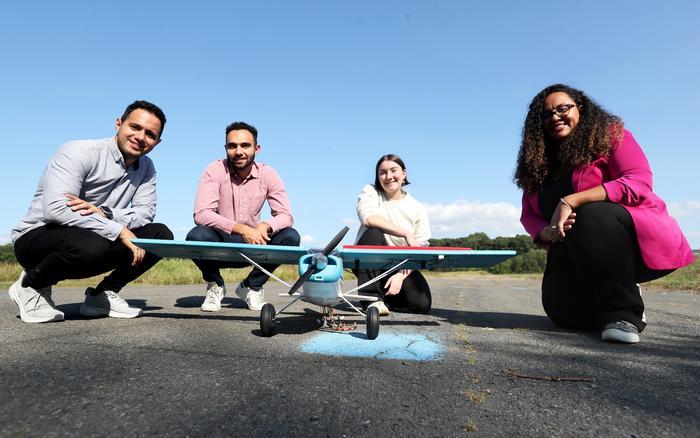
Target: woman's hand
(393, 285)
(411, 240)
(562, 221)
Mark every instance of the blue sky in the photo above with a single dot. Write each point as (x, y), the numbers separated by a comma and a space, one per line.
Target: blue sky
(333, 85)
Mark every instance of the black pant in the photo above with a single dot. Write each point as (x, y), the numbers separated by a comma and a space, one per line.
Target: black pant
(415, 294)
(591, 276)
(52, 253)
(211, 268)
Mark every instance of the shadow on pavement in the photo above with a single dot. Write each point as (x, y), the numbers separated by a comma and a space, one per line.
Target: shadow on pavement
(496, 320)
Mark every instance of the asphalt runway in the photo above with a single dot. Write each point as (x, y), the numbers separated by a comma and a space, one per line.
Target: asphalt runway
(484, 362)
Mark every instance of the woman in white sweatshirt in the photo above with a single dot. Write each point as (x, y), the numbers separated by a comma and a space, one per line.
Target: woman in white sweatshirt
(389, 216)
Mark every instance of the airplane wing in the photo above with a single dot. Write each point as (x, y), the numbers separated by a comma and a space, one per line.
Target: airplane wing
(230, 252)
(384, 257)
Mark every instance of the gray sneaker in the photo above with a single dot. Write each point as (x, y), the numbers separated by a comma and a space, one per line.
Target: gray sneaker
(215, 293)
(254, 299)
(107, 303)
(35, 305)
(620, 331)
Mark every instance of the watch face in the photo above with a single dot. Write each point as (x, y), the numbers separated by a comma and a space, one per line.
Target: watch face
(108, 212)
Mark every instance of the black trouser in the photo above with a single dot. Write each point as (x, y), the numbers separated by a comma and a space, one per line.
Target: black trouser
(415, 294)
(211, 268)
(52, 253)
(591, 276)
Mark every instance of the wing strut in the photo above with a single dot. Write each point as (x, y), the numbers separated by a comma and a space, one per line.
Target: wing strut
(263, 269)
(297, 298)
(377, 278)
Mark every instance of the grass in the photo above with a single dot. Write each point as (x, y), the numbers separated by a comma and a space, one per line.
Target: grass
(687, 278)
(176, 271)
(170, 271)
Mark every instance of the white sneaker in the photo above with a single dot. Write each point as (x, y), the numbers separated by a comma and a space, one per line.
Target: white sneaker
(215, 293)
(35, 306)
(254, 299)
(383, 309)
(107, 303)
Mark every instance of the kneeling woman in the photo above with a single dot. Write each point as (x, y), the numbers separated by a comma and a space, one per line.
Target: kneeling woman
(390, 216)
(587, 195)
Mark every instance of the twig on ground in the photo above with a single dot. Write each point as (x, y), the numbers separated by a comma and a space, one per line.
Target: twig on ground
(515, 374)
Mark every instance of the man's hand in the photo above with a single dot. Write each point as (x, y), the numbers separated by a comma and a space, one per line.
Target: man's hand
(255, 236)
(138, 253)
(85, 208)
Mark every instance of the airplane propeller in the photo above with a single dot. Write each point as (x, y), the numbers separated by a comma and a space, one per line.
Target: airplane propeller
(319, 260)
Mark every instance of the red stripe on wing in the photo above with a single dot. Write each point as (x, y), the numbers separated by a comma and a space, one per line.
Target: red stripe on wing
(425, 248)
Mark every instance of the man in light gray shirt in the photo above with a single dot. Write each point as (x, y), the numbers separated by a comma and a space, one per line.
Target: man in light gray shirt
(92, 199)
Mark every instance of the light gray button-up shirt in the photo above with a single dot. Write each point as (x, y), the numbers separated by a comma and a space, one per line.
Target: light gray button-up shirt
(94, 171)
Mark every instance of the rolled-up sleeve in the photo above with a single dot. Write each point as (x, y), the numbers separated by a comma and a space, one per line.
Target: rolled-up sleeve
(631, 177)
(532, 220)
(278, 200)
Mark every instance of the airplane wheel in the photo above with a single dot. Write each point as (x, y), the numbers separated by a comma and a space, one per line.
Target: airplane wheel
(372, 323)
(267, 320)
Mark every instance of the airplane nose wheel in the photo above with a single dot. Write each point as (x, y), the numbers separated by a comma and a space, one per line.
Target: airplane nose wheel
(372, 323)
(267, 320)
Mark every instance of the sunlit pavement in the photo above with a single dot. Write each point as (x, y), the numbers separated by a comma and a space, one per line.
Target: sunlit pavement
(485, 361)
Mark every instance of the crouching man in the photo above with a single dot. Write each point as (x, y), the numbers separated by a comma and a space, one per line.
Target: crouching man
(92, 199)
(227, 208)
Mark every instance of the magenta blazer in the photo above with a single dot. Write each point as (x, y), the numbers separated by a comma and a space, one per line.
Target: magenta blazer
(627, 179)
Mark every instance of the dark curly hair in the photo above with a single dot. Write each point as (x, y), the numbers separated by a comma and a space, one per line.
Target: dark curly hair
(539, 156)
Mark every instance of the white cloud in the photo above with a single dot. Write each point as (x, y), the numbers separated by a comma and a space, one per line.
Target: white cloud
(461, 218)
(307, 240)
(351, 222)
(687, 213)
(684, 209)
(4, 239)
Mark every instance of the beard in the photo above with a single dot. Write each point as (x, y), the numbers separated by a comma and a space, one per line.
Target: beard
(233, 164)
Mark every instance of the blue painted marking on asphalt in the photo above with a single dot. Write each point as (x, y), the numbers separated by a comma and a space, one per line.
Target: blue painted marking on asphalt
(406, 346)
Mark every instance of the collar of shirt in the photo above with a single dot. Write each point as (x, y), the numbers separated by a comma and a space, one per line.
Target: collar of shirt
(117, 154)
(254, 172)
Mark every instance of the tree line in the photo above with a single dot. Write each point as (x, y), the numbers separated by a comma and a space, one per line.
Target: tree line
(530, 259)
(7, 255)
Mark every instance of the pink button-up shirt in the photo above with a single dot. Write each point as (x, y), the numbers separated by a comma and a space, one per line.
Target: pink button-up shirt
(224, 199)
(627, 180)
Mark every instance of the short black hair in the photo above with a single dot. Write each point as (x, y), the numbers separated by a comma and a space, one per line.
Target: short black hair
(146, 106)
(238, 126)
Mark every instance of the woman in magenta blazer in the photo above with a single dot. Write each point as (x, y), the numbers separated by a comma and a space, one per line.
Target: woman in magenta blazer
(587, 196)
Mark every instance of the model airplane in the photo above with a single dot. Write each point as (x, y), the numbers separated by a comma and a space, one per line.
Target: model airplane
(321, 271)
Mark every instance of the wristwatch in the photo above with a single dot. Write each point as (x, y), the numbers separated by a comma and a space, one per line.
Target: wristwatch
(107, 212)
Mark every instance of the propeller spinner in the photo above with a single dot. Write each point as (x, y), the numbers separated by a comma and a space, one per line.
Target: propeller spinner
(319, 260)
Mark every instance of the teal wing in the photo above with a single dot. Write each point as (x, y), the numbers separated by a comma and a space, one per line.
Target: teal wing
(384, 257)
(230, 252)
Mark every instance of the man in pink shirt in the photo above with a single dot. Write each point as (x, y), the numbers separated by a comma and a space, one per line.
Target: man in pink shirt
(227, 208)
